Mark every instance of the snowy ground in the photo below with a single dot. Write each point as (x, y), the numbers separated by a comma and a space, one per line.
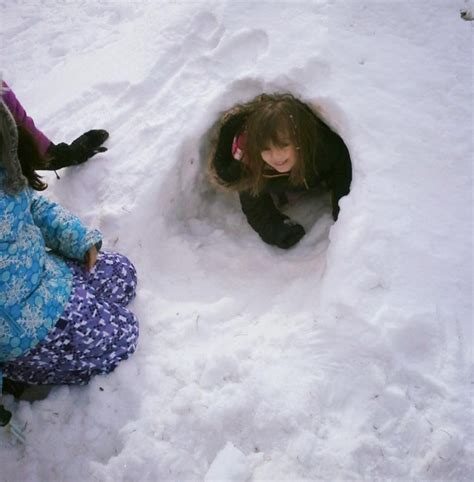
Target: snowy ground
(346, 358)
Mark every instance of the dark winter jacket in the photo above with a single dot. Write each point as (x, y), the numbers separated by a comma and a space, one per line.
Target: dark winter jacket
(330, 168)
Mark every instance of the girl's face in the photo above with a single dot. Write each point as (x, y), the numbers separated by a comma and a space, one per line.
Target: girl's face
(282, 156)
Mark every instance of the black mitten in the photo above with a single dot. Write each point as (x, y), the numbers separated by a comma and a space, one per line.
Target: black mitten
(288, 233)
(271, 225)
(81, 149)
(228, 169)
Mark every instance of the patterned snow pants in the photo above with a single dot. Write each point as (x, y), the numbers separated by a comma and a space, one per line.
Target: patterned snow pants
(94, 333)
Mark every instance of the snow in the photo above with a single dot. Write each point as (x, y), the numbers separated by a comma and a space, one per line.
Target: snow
(346, 358)
(230, 464)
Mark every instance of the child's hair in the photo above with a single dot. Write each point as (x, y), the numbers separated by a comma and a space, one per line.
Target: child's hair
(274, 118)
(30, 159)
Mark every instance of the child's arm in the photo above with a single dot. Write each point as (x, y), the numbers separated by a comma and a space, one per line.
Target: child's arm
(62, 231)
(272, 226)
(58, 155)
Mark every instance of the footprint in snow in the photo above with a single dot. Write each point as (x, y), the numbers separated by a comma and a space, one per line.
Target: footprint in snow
(243, 49)
(206, 30)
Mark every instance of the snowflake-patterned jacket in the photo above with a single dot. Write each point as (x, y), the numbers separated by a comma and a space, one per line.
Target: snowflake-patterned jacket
(35, 281)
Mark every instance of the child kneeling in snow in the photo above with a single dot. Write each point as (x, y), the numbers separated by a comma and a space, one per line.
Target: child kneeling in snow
(63, 315)
(272, 146)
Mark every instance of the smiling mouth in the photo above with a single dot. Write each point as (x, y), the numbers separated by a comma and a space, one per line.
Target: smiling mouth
(279, 164)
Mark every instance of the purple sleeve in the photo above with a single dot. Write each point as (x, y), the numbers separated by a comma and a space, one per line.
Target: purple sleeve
(22, 118)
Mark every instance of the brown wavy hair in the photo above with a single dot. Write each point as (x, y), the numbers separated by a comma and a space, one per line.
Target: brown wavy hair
(272, 118)
(30, 159)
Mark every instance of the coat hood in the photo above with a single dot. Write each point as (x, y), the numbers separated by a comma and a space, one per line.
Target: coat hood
(14, 180)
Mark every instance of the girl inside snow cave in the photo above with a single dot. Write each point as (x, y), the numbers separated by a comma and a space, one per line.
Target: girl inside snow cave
(63, 315)
(272, 146)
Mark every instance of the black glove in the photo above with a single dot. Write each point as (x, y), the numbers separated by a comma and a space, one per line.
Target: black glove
(272, 226)
(231, 127)
(83, 148)
(228, 168)
(287, 234)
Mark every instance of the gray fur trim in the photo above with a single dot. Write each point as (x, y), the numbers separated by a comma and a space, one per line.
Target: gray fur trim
(15, 180)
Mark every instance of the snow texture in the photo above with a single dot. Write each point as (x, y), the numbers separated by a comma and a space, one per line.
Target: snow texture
(348, 357)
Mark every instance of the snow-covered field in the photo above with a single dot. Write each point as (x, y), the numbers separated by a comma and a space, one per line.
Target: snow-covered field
(346, 358)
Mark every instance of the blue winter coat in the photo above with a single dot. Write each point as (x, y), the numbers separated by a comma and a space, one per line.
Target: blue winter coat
(35, 281)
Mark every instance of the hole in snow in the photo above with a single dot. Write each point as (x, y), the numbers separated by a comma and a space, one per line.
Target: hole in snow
(211, 224)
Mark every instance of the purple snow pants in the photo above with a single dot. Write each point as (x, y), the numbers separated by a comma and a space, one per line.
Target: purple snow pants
(95, 332)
